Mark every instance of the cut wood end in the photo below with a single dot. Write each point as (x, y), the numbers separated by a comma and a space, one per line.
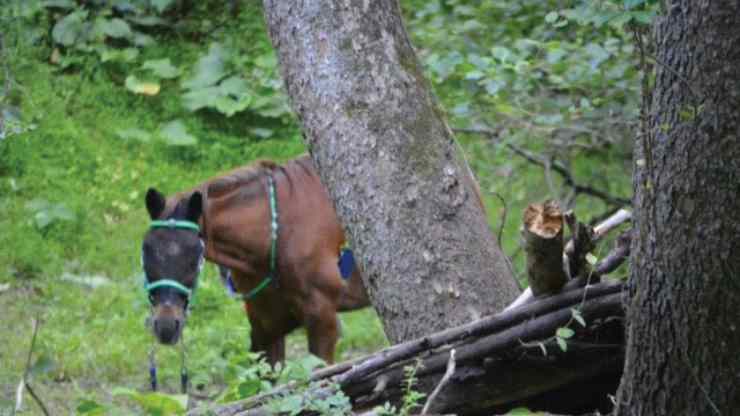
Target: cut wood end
(544, 220)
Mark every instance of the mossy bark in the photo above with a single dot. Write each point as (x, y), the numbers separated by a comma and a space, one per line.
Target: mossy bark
(388, 159)
(684, 327)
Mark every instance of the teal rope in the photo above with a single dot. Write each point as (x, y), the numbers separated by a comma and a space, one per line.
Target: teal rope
(274, 226)
(168, 283)
(172, 223)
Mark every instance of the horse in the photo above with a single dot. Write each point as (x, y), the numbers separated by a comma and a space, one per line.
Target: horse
(274, 227)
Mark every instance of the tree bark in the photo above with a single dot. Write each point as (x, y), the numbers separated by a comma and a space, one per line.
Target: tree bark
(391, 164)
(684, 328)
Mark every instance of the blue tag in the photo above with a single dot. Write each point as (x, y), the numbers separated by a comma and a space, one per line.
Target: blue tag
(346, 263)
(225, 274)
(230, 285)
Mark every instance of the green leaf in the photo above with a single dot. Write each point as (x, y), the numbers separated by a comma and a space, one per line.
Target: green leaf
(147, 21)
(138, 86)
(249, 388)
(631, 4)
(68, 29)
(208, 70)
(234, 86)
(520, 411)
(90, 407)
(134, 134)
(229, 106)
(562, 344)
(161, 5)
(200, 98)
(578, 317)
(292, 405)
(162, 68)
(115, 28)
(591, 259)
(552, 17)
(564, 333)
(501, 53)
(262, 133)
(118, 55)
(176, 134)
(156, 403)
(142, 39)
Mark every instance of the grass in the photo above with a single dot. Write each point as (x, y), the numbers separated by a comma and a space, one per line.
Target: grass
(72, 216)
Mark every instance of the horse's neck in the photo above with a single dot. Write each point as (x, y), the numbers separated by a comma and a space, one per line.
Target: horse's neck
(237, 230)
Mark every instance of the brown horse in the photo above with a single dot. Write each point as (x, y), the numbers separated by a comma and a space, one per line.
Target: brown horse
(234, 218)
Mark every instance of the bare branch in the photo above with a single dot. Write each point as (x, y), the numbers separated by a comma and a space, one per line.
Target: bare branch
(582, 238)
(445, 379)
(24, 379)
(555, 165)
(615, 257)
(500, 233)
(602, 229)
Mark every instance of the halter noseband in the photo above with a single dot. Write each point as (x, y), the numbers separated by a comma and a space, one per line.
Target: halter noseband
(172, 283)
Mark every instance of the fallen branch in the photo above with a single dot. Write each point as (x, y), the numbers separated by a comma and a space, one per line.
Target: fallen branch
(494, 370)
(445, 379)
(24, 384)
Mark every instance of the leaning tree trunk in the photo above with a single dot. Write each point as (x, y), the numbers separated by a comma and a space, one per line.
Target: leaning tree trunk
(384, 151)
(683, 352)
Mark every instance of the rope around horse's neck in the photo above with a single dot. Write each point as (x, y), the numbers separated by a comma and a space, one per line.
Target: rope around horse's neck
(274, 228)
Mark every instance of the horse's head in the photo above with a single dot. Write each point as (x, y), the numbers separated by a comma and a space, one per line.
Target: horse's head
(172, 256)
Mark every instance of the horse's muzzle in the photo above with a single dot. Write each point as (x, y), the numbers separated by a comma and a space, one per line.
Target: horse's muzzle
(167, 324)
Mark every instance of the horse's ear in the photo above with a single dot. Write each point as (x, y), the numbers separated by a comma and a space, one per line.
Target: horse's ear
(195, 207)
(155, 203)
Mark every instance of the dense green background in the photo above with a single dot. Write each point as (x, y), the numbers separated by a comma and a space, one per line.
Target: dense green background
(85, 135)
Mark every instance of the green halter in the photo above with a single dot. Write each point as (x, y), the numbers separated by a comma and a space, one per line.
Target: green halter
(171, 283)
(274, 225)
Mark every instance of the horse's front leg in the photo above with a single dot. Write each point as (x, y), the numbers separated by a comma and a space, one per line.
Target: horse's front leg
(263, 341)
(323, 331)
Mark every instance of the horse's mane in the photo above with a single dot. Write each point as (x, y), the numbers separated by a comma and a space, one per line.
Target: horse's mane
(239, 177)
(236, 182)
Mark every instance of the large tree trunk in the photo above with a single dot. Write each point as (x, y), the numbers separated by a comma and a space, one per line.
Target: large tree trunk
(389, 161)
(683, 352)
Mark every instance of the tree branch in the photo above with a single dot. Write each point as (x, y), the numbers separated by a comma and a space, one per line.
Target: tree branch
(445, 379)
(555, 165)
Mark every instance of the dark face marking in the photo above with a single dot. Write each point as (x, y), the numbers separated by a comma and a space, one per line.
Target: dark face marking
(174, 254)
